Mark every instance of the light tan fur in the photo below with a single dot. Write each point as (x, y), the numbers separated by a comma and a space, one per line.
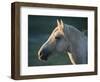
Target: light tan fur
(71, 58)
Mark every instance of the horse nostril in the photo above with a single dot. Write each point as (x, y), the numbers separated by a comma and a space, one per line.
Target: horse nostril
(41, 53)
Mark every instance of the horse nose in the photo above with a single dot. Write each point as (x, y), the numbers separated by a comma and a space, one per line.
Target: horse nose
(43, 52)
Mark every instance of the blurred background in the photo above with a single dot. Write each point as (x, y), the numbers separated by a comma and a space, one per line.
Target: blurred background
(40, 28)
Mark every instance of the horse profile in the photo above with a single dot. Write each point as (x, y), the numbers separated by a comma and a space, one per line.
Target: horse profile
(65, 38)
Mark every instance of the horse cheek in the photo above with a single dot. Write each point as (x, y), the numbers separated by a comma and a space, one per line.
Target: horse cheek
(60, 46)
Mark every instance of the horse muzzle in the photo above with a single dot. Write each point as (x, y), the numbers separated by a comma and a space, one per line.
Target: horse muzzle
(43, 54)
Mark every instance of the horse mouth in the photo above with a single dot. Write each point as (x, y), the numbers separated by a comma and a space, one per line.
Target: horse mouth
(43, 58)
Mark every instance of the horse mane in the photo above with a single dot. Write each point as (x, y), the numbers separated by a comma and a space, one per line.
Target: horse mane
(73, 32)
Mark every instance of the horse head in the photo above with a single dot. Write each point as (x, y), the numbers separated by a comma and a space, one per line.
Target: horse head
(56, 42)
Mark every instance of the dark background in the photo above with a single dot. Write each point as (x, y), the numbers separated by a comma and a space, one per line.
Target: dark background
(40, 28)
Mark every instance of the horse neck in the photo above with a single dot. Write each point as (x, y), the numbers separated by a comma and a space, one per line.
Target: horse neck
(78, 44)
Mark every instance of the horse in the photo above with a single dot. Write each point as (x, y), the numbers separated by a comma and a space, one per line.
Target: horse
(65, 38)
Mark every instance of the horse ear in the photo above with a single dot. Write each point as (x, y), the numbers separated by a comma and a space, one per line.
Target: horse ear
(58, 23)
(62, 24)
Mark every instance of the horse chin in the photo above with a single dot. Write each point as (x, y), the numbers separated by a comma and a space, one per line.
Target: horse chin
(43, 58)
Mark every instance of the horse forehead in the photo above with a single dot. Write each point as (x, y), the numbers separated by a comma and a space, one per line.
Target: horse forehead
(54, 31)
(57, 30)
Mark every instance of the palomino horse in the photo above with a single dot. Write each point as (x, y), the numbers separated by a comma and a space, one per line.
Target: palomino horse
(66, 38)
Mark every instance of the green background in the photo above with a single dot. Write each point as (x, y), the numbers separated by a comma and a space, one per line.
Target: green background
(40, 28)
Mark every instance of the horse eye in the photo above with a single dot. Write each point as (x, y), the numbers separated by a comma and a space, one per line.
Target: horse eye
(57, 37)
